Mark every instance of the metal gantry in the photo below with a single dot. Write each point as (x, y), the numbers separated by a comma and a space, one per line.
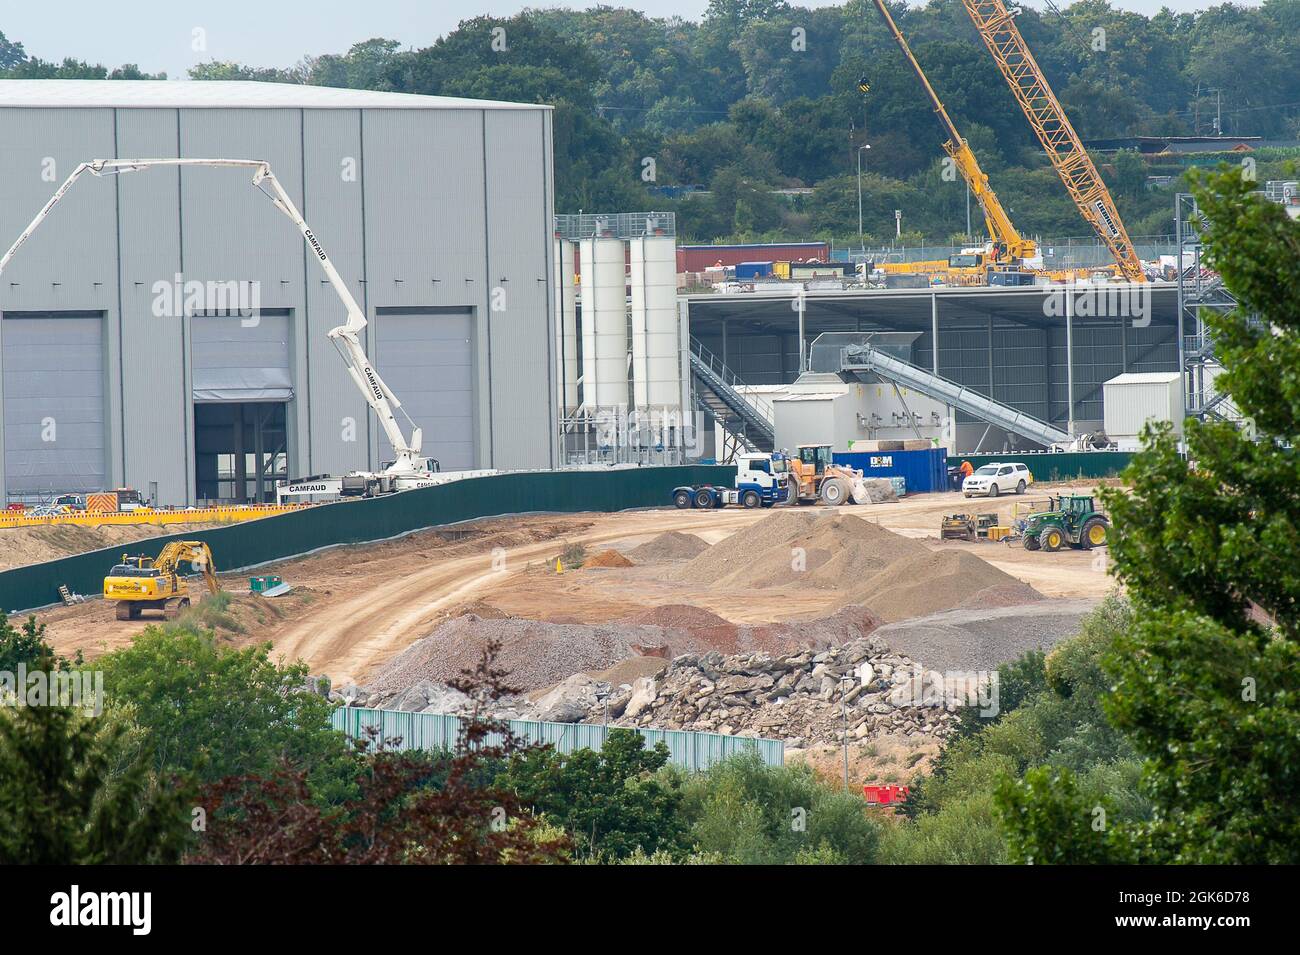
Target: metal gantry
(1199, 288)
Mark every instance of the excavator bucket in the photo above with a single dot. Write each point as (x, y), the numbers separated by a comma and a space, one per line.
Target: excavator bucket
(858, 491)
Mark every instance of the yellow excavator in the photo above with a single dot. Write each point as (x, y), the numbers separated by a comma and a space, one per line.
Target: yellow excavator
(141, 583)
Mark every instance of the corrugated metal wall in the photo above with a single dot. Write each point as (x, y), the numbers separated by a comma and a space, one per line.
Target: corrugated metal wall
(690, 751)
(416, 207)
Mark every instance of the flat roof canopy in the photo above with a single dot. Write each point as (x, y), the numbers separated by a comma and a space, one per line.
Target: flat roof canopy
(910, 309)
(220, 94)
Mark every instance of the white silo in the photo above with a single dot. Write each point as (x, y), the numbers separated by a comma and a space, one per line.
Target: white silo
(604, 322)
(566, 326)
(655, 337)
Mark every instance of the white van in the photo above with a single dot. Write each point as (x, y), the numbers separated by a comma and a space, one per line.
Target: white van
(992, 479)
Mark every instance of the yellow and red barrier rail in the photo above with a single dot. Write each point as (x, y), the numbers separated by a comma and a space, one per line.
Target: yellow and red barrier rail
(232, 513)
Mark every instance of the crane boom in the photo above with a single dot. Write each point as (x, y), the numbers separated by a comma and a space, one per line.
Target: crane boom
(1001, 229)
(345, 337)
(1000, 34)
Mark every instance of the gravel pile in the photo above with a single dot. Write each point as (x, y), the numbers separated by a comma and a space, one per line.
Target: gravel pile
(897, 577)
(985, 639)
(540, 654)
(805, 697)
(668, 546)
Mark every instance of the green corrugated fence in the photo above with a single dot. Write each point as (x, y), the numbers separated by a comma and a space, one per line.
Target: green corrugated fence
(1056, 466)
(691, 751)
(357, 521)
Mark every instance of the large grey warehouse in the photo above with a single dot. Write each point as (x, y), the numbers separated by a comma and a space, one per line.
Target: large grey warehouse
(437, 213)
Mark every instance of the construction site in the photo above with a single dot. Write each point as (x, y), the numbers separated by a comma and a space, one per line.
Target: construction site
(265, 376)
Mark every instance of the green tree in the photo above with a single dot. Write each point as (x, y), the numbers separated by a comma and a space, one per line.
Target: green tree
(71, 794)
(215, 711)
(1207, 676)
(612, 802)
(11, 54)
(742, 811)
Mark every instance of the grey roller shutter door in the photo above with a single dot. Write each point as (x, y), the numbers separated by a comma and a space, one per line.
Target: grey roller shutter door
(427, 360)
(241, 359)
(54, 434)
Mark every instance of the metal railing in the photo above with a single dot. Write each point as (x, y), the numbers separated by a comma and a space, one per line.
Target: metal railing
(727, 377)
(615, 225)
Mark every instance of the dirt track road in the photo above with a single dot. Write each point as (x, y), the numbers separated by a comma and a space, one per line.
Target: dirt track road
(356, 634)
(370, 602)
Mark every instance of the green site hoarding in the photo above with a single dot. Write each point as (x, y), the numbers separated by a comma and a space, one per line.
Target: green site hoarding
(1056, 466)
(251, 543)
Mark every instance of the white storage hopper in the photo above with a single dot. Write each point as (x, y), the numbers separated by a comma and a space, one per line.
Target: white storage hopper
(1133, 399)
(566, 311)
(604, 322)
(655, 340)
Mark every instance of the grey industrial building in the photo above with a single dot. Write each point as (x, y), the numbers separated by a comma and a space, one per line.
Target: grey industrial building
(1006, 343)
(437, 212)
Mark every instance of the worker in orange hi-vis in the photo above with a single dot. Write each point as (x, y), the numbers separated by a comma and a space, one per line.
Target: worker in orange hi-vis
(967, 469)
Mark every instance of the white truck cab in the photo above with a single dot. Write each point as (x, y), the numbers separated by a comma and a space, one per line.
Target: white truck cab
(758, 471)
(761, 481)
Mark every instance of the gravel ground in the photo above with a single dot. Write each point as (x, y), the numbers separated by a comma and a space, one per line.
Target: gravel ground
(984, 639)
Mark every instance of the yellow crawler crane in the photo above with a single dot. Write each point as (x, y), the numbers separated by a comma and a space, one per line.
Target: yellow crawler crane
(1000, 34)
(141, 583)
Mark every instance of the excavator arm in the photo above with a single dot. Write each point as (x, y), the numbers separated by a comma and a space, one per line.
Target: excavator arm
(346, 337)
(1000, 34)
(1001, 230)
(197, 553)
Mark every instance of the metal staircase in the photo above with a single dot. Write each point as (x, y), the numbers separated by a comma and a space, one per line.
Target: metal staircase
(865, 358)
(746, 419)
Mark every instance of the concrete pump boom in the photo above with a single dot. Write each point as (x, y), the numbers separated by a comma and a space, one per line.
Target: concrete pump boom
(1008, 243)
(345, 337)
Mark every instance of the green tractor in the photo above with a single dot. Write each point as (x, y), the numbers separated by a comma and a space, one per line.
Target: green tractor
(1070, 519)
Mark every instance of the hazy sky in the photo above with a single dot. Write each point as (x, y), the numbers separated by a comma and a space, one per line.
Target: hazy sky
(159, 35)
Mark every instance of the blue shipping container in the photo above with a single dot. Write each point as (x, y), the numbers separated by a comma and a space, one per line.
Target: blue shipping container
(924, 471)
(753, 270)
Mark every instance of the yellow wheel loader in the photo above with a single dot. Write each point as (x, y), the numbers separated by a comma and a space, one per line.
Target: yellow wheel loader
(814, 477)
(141, 583)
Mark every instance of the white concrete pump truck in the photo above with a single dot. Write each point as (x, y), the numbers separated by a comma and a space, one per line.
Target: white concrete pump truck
(409, 470)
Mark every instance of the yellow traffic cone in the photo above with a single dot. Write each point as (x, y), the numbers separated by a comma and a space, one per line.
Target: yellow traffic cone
(559, 568)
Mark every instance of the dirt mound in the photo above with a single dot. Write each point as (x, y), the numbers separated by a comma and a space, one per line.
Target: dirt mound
(896, 577)
(677, 615)
(607, 558)
(534, 653)
(538, 653)
(931, 582)
(669, 546)
(793, 548)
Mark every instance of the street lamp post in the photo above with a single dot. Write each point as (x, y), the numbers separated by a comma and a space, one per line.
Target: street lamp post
(861, 149)
(846, 682)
